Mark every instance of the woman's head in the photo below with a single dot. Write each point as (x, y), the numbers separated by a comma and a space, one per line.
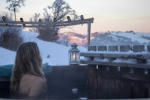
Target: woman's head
(28, 61)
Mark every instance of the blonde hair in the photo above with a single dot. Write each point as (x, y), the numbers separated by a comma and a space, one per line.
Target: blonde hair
(28, 61)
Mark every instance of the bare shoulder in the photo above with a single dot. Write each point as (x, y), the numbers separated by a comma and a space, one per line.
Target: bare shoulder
(38, 86)
(39, 80)
(34, 78)
(35, 84)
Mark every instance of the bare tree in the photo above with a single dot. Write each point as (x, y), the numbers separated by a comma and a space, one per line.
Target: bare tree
(35, 18)
(60, 10)
(14, 5)
(10, 37)
(57, 12)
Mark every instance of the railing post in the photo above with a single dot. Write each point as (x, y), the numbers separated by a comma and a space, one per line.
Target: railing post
(89, 33)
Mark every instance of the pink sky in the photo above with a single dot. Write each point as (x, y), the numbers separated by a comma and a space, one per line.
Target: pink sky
(112, 15)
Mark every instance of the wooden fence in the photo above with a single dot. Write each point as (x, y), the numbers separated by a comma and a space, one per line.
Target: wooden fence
(137, 56)
(111, 82)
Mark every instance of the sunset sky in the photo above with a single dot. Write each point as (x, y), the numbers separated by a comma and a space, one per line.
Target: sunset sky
(109, 15)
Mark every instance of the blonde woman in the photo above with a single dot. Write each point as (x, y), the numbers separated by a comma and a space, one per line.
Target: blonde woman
(27, 78)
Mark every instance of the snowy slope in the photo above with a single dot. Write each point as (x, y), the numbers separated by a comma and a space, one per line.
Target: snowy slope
(118, 38)
(51, 52)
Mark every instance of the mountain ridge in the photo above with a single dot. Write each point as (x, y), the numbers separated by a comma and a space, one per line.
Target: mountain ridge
(108, 38)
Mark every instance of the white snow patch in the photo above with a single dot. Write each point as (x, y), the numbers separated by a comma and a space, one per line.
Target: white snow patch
(6, 56)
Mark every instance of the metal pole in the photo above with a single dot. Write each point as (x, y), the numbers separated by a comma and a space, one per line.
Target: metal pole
(15, 13)
(89, 32)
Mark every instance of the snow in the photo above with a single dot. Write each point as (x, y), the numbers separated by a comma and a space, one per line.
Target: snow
(133, 61)
(119, 60)
(133, 36)
(115, 52)
(51, 52)
(101, 59)
(6, 56)
(120, 38)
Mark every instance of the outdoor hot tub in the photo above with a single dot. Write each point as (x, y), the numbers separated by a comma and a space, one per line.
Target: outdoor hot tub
(63, 82)
(5, 73)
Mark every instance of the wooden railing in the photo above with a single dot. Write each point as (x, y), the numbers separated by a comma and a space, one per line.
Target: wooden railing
(123, 56)
(44, 24)
(120, 48)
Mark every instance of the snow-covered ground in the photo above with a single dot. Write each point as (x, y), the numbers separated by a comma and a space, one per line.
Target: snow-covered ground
(51, 52)
(6, 56)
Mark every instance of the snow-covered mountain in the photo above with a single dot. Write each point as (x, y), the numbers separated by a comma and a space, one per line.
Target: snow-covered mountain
(107, 38)
(118, 38)
(70, 37)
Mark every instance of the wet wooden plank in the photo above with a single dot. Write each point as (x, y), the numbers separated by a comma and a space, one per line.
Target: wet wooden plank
(92, 82)
(125, 48)
(113, 48)
(91, 48)
(138, 48)
(102, 48)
